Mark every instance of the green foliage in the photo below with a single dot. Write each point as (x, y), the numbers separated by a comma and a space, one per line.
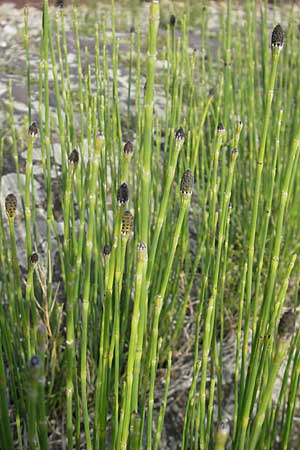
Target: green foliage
(193, 226)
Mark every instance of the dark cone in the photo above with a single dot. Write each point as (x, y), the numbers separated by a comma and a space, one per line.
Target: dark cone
(141, 246)
(34, 258)
(234, 153)
(34, 369)
(106, 250)
(33, 129)
(127, 223)
(277, 37)
(41, 331)
(212, 92)
(128, 148)
(100, 135)
(74, 157)
(187, 181)
(11, 205)
(286, 324)
(179, 134)
(221, 128)
(41, 335)
(172, 20)
(239, 126)
(60, 3)
(122, 194)
(34, 362)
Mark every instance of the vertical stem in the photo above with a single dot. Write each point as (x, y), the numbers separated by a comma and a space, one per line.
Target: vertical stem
(28, 178)
(7, 436)
(69, 279)
(152, 357)
(41, 407)
(26, 44)
(148, 114)
(99, 147)
(140, 273)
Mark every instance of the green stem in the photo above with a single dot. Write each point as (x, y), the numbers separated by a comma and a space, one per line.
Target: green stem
(99, 147)
(140, 274)
(148, 114)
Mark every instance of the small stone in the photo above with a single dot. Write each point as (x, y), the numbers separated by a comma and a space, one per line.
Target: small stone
(36, 154)
(20, 107)
(9, 31)
(71, 58)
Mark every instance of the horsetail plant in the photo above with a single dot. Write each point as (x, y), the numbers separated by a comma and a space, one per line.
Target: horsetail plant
(140, 274)
(11, 209)
(179, 140)
(119, 331)
(69, 278)
(186, 190)
(41, 406)
(32, 134)
(30, 306)
(277, 45)
(98, 148)
(126, 229)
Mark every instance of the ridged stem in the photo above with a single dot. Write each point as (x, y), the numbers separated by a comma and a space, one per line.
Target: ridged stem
(28, 80)
(99, 147)
(41, 406)
(148, 127)
(163, 206)
(28, 178)
(69, 279)
(140, 274)
(153, 366)
(5, 433)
